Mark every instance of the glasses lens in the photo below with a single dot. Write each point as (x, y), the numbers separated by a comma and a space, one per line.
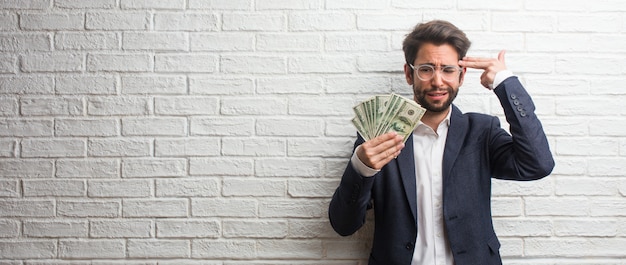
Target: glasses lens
(425, 72)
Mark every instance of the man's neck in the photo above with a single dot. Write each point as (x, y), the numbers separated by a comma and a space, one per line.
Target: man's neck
(433, 119)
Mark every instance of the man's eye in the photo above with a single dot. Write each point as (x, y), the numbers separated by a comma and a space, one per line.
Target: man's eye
(449, 70)
(425, 70)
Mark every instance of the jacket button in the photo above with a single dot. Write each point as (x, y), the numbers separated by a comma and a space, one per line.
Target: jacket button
(409, 246)
(513, 96)
(515, 102)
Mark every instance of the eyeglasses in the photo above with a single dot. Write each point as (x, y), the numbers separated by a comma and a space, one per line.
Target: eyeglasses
(426, 72)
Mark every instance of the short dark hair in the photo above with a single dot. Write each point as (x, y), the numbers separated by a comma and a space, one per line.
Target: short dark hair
(437, 32)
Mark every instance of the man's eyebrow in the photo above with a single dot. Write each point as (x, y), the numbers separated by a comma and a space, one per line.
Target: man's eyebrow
(443, 65)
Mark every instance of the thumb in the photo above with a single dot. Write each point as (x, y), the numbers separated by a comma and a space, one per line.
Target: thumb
(501, 56)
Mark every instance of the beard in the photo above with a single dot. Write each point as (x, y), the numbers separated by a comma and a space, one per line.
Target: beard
(420, 96)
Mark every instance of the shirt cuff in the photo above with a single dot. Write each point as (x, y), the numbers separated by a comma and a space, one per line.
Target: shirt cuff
(361, 168)
(500, 77)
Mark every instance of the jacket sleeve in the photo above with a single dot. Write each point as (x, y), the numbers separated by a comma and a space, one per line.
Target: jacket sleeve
(348, 207)
(525, 154)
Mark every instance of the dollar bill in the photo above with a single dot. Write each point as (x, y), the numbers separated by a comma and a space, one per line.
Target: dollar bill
(385, 113)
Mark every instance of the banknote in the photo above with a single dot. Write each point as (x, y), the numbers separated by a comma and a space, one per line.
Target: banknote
(385, 113)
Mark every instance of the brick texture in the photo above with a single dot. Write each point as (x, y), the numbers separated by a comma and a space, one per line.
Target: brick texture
(215, 132)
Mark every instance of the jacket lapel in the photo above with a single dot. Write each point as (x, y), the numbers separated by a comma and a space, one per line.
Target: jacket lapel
(456, 135)
(406, 166)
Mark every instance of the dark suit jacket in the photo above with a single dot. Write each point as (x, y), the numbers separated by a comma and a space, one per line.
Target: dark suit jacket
(476, 150)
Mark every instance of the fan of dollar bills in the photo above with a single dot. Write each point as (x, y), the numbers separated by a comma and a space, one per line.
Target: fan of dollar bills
(385, 113)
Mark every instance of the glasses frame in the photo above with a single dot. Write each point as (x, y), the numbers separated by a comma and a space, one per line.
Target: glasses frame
(436, 69)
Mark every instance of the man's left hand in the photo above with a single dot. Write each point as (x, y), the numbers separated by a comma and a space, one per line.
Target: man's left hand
(491, 67)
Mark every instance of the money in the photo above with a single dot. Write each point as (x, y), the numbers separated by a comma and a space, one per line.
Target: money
(385, 113)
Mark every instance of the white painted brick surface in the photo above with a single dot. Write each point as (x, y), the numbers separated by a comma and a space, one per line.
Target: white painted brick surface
(215, 132)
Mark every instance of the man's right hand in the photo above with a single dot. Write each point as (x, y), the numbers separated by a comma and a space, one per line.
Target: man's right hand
(377, 152)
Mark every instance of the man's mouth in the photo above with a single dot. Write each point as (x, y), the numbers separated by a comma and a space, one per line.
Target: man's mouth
(437, 95)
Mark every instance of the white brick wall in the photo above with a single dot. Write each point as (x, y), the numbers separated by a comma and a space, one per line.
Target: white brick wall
(214, 131)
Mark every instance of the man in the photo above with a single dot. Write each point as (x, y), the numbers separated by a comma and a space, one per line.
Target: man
(431, 195)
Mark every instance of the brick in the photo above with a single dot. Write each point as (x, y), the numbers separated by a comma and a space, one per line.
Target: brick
(119, 147)
(159, 4)
(586, 227)
(131, 188)
(92, 249)
(290, 5)
(87, 127)
(8, 22)
(299, 228)
(8, 63)
(146, 168)
(221, 5)
(587, 147)
(52, 62)
(236, 64)
(311, 188)
(293, 249)
(291, 209)
(220, 86)
(187, 187)
(87, 41)
(29, 85)
(154, 84)
(117, 20)
(352, 4)
(195, 105)
(87, 168)
(290, 85)
(26, 168)
(246, 187)
(283, 167)
(320, 21)
(223, 41)
(523, 227)
(326, 106)
(253, 22)
(26, 208)
(140, 248)
(506, 207)
(321, 64)
(339, 127)
(188, 229)
(220, 207)
(53, 148)
(9, 189)
(87, 4)
(155, 41)
(88, 208)
(289, 127)
(8, 107)
(557, 206)
(187, 147)
(86, 85)
(54, 188)
(385, 22)
(221, 166)
(223, 249)
(603, 127)
(356, 42)
(28, 249)
(588, 23)
(539, 42)
(253, 106)
(289, 42)
(304, 147)
(119, 63)
(609, 207)
(55, 229)
(220, 126)
(9, 228)
(155, 208)
(19, 42)
(52, 21)
(605, 166)
(254, 229)
(51, 106)
(517, 22)
(108, 106)
(543, 187)
(185, 22)
(574, 247)
(194, 63)
(489, 41)
(154, 126)
(253, 147)
(121, 229)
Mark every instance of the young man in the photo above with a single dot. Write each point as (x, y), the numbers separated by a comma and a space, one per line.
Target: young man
(431, 195)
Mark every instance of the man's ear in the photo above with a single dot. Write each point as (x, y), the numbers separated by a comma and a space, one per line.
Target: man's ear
(408, 74)
(462, 77)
